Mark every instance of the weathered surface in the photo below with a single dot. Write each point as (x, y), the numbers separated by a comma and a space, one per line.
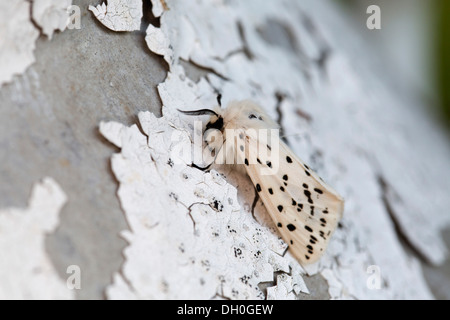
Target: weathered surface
(17, 39)
(283, 59)
(51, 15)
(26, 271)
(49, 119)
(119, 15)
(193, 219)
(303, 64)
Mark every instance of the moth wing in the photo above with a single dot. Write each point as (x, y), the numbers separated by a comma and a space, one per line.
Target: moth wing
(303, 207)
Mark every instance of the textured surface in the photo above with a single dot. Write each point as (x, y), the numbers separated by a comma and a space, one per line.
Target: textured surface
(255, 61)
(26, 271)
(203, 243)
(339, 109)
(51, 15)
(119, 15)
(17, 39)
(49, 127)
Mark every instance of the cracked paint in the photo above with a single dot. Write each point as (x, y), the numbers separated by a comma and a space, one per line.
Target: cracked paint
(119, 15)
(345, 123)
(26, 271)
(192, 226)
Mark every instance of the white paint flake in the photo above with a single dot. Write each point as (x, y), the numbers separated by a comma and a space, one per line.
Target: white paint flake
(344, 122)
(17, 39)
(26, 271)
(119, 15)
(51, 15)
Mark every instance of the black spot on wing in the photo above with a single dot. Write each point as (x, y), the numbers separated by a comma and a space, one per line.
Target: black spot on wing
(291, 227)
(318, 191)
(308, 195)
(288, 159)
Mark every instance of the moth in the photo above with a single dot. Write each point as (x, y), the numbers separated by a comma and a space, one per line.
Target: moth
(304, 208)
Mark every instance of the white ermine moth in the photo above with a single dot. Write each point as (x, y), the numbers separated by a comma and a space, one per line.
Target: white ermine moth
(304, 208)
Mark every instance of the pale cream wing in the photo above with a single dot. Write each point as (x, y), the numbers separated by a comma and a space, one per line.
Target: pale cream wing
(304, 208)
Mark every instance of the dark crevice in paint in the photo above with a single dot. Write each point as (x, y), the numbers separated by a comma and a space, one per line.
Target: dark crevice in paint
(267, 284)
(195, 71)
(316, 284)
(245, 47)
(406, 243)
(325, 49)
(280, 98)
(148, 17)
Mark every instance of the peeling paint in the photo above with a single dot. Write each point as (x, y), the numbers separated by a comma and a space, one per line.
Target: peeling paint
(158, 7)
(199, 252)
(26, 271)
(119, 15)
(17, 39)
(201, 242)
(51, 15)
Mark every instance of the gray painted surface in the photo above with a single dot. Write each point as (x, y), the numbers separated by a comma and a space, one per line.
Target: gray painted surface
(49, 127)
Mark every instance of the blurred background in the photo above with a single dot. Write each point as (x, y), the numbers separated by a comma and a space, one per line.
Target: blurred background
(415, 38)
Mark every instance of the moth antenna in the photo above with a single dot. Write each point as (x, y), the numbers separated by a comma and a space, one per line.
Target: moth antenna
(200, 112)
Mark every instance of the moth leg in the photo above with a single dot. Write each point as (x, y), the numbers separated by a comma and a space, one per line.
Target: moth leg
(193, 165)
